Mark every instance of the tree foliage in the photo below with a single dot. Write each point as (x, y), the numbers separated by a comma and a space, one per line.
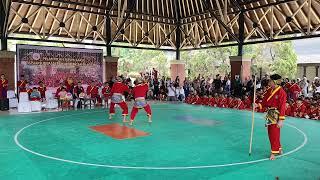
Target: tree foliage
(136, 61)
(277, 57)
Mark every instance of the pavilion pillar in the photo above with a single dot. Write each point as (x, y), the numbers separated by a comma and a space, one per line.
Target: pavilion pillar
(7, 67)
(178, 68)
(240, 66)
(110, 67)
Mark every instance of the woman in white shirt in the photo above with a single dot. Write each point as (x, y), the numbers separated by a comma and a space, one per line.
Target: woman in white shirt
(171, 93)
(180, 93)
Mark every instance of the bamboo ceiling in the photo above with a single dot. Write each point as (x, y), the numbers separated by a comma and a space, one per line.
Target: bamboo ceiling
(176, 24)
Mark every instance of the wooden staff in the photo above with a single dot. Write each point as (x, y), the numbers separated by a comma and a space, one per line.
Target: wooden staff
(253, 110)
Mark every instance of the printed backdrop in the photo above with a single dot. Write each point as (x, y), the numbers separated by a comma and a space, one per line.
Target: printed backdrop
(54, 64)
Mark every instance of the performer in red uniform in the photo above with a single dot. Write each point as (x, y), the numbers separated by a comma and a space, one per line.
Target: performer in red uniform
(204, 101)
(312, 112)
(275, 100)
(288, 109)
(212, 102)
(294, 90)
(22, 84)
(247, 102)
(69, 85)
(106, 93)
(93, 91)
(139, 93)
(116, 93)
(299, 109)
(3, 87)
(239, 104)
(42, 90)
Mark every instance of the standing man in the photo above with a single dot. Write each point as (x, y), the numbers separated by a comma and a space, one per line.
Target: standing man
(22, 84)
(3, 87)
(106, 93)
(294, 90)
(117, 93)
(139, 93)
(275, 102)
(42, 89)
(78, 94)
(93, 92)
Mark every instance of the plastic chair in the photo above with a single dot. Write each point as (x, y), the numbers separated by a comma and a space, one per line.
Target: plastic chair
(36, 106)
(13, 102)
(11, 94)
(24, 107)
(23, 97)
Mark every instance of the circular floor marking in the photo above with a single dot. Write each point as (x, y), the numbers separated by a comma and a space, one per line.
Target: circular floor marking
(16, 139)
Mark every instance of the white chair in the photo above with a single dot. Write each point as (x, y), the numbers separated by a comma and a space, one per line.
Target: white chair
(23, 97)
(24, 107)
(13, 103)
(51, 104)
(11, 94)
(35, 106)
(49, 94)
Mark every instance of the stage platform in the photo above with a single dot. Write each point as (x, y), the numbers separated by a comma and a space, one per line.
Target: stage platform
(183, 142)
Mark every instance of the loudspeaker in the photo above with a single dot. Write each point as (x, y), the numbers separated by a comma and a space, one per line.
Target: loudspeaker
(4, 104)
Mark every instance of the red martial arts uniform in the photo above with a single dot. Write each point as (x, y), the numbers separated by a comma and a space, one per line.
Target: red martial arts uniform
(188, 99)
(57, 92)
(93, 91)
(3, 88)
(42, 91)
(247, 103)
(228, 102)
(69, 86)
(212, 102)
(299, 110)
(205, 101)
(139, 93)
(239, 105)
(197, 100)
(118, 89)
(289, 110)
(22, 86)
(222, 103)
(106, 92)
(275, 99)
(313, 113)
(294, 91)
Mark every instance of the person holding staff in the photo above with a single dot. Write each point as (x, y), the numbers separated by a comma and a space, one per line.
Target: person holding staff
(275, 103)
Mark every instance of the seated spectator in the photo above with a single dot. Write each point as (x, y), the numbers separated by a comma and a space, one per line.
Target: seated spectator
(93, 92)
(289, 109)
(35, 95)
(212, 101)
(299, 109)
(247, 102)
(180, 93)
(239, 104)
(312, 112)
(63, 94)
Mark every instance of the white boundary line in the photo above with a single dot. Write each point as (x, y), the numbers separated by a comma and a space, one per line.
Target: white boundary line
(16, 139)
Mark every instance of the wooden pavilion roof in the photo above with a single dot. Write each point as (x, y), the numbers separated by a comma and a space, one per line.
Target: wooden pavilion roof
(172, 24)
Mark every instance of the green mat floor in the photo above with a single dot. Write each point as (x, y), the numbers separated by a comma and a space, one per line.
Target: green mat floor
(185, 142)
